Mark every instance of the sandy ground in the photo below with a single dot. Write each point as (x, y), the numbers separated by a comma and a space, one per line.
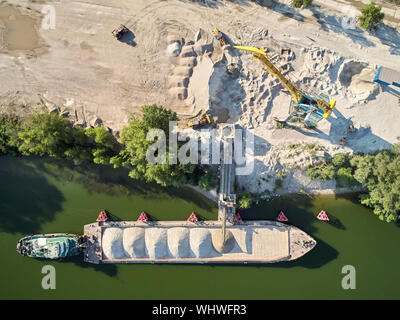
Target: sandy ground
(170, 57)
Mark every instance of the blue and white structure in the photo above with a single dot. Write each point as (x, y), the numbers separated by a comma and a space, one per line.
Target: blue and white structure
(387, 77)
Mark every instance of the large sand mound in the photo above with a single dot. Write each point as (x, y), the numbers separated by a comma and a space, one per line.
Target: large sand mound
(178, 242)
(199, 84)
(134, 243)
(200, 242)
(156, 243)
(358, 77)
(112, 243)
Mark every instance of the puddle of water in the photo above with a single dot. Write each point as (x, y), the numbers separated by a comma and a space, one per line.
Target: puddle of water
(17, 30)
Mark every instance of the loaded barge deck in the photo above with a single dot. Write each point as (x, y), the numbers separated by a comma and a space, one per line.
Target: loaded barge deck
(261, 241)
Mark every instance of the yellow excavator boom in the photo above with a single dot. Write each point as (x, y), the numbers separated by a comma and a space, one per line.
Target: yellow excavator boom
(260, 55)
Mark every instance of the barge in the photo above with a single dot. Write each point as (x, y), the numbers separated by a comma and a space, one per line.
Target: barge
(260, 241)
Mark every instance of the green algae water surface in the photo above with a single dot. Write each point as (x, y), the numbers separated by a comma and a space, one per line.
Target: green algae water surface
(48, 196)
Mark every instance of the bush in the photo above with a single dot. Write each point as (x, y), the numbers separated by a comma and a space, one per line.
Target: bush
(300, 3)
(104, 144)
(9, 129)
(245, 200)
(370, 15)
(45, 134)
(322, 172)
(339, 159)
(208, 180)
(310, 146)
(278, 184)
(344, 178)
(49, 134)
(280, 125)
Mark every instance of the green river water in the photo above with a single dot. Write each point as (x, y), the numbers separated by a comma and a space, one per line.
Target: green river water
(48, 196)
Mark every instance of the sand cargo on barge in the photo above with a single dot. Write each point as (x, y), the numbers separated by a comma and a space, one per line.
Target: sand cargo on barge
(260, 241)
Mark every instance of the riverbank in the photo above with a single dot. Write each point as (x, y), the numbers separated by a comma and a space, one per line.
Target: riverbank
(49, 134)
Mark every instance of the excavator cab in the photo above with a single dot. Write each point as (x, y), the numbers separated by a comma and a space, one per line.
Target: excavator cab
(220, 37)
(315, 107)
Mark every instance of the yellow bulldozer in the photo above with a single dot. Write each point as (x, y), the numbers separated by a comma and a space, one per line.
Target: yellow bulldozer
(200, 122)
(120, 31)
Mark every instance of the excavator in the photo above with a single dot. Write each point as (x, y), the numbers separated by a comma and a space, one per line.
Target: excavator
(202, 121)
(310, 107)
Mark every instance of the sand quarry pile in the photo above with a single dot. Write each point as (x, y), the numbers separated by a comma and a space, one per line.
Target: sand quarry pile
(178, 242)
(157, 243)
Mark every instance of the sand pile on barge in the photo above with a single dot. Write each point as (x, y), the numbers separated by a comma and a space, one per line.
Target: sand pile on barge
(185, 242)
(200, 242)
(134, 244)
(156, 243)
(112, 239)
(178, 242)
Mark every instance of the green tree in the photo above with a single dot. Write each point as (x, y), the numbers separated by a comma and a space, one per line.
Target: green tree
(380, 174)
(9, 129)
(136, 145)
(78, 149)
(300, 3)
(344, 177)
(245, 200)
(104, 144)
(339, 159)
(45, 133)
(208, 180)
(371, 14)
(321, 172)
